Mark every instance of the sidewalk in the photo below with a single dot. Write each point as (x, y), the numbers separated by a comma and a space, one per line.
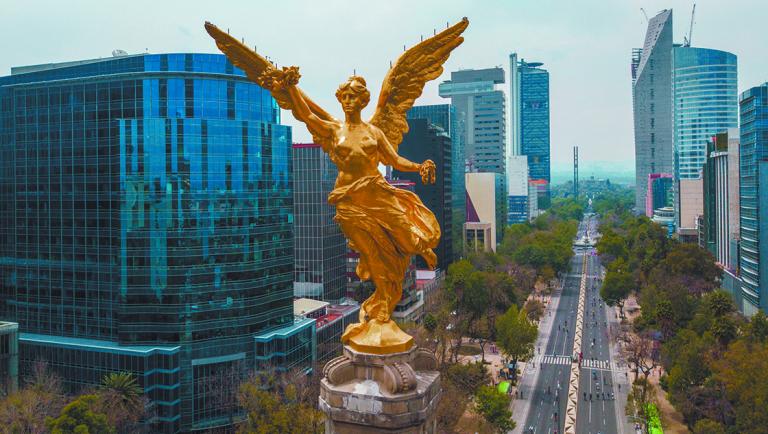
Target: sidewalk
(529, 373)
(619, 378)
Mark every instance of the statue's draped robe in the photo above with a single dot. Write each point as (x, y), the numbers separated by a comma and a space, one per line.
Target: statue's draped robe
(386, 225)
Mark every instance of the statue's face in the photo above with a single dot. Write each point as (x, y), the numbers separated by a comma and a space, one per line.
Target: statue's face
(350, 101)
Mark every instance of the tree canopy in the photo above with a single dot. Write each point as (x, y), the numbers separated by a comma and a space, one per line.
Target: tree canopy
(516, 334)
(493, 405)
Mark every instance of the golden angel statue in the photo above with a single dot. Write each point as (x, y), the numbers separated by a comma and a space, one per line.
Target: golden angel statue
(385, 224)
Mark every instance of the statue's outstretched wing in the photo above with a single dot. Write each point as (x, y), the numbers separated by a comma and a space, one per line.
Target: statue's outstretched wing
(405, 80)
(254, 66)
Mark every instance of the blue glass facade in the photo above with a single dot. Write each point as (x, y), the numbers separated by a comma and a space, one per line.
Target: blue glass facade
(146, 201)
(320, 248)
(753, 196)
(517, 209)
(705, 103)
(529, 100)
(444, 116)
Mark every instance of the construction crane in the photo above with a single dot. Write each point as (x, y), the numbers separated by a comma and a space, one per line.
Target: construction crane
(687, 40)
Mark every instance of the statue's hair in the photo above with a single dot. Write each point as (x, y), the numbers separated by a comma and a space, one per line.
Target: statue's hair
(357, 85)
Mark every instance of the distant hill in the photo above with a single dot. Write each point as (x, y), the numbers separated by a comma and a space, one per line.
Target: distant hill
(617, 171)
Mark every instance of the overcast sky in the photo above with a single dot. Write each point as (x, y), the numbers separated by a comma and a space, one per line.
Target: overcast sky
(585, 45)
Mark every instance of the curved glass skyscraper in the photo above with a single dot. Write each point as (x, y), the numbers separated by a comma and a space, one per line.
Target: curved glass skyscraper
(705, 103)
(146, 225)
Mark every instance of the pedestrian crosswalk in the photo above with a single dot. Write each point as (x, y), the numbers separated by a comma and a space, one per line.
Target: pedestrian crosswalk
(552, 359)
(558, 359)
(603, 365)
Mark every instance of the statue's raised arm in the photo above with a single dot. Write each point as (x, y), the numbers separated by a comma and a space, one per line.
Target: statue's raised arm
(386, 225)
(263, 72)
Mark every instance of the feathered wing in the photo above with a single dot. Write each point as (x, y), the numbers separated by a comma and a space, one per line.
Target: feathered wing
(405, 80)
(254, 66)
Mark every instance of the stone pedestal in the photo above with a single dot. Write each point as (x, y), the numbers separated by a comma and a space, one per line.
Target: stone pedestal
(392, 393)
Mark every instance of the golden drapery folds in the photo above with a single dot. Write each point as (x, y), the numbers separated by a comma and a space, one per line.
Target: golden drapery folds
(384, 224)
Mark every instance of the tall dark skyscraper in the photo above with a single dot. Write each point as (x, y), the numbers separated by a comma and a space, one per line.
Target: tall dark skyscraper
(444, 116)
(146, 217)
(426, 141)
(320, 247)
(529, 114)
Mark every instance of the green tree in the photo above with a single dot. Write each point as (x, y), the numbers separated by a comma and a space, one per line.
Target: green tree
(743, 370)
(81, 417)
(708, 426)
(494, 407)
(617, 286)
(719, 303)
(26, 410)
(686, 356)
(757, 329)
(430, 322)
(513, 234)
(122, 400)
(640, 396)
(468, 377)
(534, 309)
(516, 334)
(691, 264)
(274, 406)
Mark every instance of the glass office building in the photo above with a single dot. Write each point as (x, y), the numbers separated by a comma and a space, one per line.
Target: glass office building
(9, 357)
(529, 108)
(481, 113)
(705, 103)
(651, 108)
(753, 177)
(444, 116)
(320, 247)
(425, 141)
(146, 225)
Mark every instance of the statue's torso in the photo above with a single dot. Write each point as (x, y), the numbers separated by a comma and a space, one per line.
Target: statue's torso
(355, 153)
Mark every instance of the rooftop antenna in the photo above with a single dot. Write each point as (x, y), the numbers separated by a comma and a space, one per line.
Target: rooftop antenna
(687, 40)
(644, 14)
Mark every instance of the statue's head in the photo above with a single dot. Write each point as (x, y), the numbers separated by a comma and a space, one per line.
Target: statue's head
(353, 95)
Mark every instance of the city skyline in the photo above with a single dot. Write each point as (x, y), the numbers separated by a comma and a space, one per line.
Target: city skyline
(551, 32)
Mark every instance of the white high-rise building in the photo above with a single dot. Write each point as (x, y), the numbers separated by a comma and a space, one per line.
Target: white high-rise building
(517, 189)
(652, 104)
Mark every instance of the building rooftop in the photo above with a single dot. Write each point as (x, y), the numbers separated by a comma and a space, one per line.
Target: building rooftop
(8, 325)
(48, 66)
(305, 306)
(344, 308)
(327, 319)
(94, 344)
(305, 145)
